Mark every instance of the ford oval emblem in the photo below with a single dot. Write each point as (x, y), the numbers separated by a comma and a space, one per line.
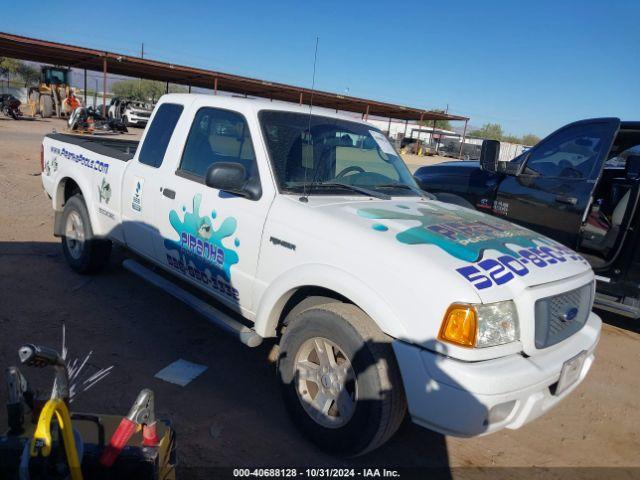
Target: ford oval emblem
(569, 315)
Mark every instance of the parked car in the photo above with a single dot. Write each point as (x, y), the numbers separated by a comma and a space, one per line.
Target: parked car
(131, 112)
(579, 186)
(311, 229)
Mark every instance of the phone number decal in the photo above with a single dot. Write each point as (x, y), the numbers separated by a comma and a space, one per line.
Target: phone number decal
(489, 272)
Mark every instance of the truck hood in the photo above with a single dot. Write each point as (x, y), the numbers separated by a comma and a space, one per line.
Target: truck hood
(495, 258)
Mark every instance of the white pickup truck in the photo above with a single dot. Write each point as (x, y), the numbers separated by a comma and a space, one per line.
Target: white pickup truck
(308, 228)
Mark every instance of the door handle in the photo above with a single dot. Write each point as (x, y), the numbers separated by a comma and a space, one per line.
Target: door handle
(567, 200)
(167, 192)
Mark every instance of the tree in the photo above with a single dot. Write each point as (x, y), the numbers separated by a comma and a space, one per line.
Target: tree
(143, 90)
(8, 66)
(440, 124)
(493, 131)
(29, 74)
(530, 139)
(511, 139)
(489, 131)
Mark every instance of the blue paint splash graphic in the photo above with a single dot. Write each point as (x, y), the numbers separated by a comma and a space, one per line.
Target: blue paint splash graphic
(203, 248)
(464, 235)
(379, 227)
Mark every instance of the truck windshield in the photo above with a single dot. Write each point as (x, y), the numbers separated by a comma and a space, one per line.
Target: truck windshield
(312, 151)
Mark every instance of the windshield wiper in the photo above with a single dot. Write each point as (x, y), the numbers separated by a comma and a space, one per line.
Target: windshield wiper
(417, 191)
(355, 188)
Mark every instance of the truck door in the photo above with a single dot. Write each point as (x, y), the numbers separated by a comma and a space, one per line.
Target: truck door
(210, 237)
(552, 191)
(141, 181)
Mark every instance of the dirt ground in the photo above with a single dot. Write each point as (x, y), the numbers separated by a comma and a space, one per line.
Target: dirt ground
(232, 415)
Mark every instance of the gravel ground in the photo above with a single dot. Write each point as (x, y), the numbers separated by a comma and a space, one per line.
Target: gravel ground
(232, 415)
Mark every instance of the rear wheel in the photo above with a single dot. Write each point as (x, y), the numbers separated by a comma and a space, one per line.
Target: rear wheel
(340, 380)
(83, 252)
(46, 106)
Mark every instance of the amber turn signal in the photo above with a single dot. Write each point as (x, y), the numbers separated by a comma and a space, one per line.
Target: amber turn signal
(460, 325)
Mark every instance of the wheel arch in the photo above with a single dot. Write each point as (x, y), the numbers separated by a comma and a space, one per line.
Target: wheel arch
(300, 283)
(66, 188)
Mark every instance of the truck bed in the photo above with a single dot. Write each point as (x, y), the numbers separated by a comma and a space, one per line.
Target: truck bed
(116, 148)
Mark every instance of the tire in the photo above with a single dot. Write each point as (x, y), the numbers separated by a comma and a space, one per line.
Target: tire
(361, 394)
(84, 253)
(46, 106)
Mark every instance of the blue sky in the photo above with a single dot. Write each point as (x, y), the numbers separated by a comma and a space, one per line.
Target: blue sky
(531, 66)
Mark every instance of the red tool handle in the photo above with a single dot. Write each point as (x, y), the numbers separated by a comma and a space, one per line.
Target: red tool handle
(118, 441)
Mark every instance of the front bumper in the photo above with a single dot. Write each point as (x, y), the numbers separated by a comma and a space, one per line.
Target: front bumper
(467, 399)
(137, 120)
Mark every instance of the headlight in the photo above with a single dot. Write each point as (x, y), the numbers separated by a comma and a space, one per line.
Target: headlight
(497, 324)
(480, 325)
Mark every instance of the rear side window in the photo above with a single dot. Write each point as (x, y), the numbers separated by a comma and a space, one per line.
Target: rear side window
(160, 131)
(218, 136)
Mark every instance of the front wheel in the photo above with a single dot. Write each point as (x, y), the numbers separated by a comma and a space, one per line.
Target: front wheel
(83, 252)
(340, 380)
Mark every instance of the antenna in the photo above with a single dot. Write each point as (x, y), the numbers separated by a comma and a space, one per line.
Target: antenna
(304, 197)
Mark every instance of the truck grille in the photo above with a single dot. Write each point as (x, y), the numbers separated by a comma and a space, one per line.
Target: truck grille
(560, 316)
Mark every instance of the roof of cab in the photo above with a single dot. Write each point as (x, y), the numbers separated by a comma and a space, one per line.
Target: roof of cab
(256, 104)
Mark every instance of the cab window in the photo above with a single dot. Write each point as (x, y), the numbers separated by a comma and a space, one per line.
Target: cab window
(218, 136)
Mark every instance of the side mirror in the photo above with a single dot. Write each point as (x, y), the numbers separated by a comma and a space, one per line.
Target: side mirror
(231, 177)
(489, 155)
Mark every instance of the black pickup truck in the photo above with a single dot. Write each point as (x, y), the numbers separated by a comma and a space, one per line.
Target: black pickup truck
(579, 186)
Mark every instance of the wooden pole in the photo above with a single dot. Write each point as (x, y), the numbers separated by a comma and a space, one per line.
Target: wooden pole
(464, 135)
(104, 84)
(418, 147)
(433, 131)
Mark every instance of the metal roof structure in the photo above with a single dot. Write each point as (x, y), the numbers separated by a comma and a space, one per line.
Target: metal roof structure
(43, 51)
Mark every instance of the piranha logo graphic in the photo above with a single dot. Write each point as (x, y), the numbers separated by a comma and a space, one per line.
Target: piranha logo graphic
(466, 235)
(104, 191)
(201, 252)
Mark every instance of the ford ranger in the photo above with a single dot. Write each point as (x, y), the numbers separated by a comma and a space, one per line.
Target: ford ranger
(307, 227)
